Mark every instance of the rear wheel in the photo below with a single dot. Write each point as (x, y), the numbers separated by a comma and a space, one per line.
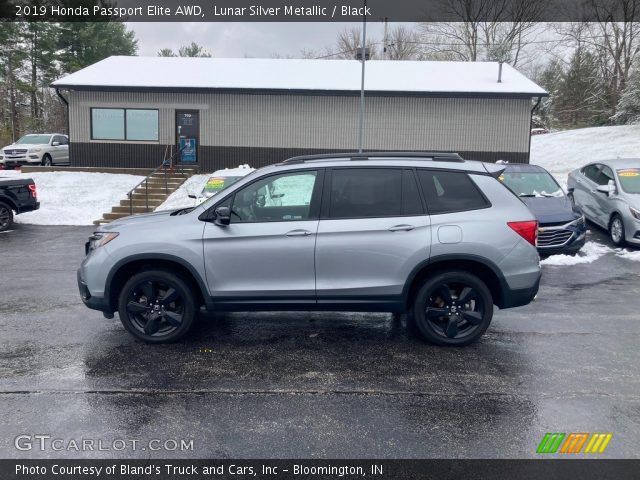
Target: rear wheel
(46, 160)
(453, 308)
(6, 217)
(157, 306)
(616, 231)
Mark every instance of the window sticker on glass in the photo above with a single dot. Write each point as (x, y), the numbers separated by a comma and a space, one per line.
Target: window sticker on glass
(631, 172)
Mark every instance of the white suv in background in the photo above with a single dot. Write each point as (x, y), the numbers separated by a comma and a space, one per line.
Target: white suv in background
(36, 149)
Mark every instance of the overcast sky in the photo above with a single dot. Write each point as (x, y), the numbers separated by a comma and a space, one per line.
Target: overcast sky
(238, 39)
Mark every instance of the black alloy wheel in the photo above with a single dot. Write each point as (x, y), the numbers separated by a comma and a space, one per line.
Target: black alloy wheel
(453, 308)
(6, 217)
(157, 306)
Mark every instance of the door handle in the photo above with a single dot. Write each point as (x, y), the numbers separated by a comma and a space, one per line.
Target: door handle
(401, 228)
(593, 191)
(298, 233)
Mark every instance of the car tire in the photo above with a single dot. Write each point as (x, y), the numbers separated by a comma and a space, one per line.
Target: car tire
(157, 306)
(6, 217)
(46, 160)
(453, 308)
(616, 231)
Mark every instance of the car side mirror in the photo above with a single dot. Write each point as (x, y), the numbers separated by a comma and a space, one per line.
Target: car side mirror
(55, 144)
(222, 216)
(609, 188)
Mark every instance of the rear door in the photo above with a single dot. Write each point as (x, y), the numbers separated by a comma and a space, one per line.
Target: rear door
(373, 231)
(602, 202)
(585, 190)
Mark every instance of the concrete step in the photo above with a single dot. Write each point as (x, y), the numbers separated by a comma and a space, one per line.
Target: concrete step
(153, 202)
(157, 195)
(134, 210)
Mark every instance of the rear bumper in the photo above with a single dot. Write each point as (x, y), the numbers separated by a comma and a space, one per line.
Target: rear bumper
(512, 298)
(93, 302)
(29, 208)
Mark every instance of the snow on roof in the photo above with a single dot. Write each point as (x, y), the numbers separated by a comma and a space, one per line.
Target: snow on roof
(298, 74)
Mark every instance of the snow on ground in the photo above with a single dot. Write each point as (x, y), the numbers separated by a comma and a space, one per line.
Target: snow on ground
(73, 198)
(562, 152)
(629, 254)
(588, 254)
(180, 198)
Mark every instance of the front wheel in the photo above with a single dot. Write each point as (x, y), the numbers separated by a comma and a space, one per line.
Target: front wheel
(453, 308)
(46, 160)
(616, 231)
(6, 217)
(157, 306)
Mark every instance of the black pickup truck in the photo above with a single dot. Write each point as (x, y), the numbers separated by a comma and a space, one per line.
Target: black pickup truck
(17, 196)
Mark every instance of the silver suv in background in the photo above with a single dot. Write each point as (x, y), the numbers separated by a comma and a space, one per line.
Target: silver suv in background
(608, 192)
(36, 149)
(428, 234)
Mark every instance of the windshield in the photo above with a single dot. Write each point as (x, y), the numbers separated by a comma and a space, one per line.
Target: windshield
(34, 140)
(531, 184)
(630, 180)
(217, 184)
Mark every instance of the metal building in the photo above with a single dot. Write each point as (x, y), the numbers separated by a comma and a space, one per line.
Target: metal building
(133, 111)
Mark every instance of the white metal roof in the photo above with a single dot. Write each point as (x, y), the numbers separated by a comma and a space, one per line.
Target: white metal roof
(297, 74)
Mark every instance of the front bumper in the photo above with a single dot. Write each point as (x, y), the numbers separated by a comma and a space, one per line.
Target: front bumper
(91, 301)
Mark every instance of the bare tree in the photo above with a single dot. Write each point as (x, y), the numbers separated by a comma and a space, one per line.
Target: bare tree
(487, 29)
(613, 36)
(402, 43)
(348, 43)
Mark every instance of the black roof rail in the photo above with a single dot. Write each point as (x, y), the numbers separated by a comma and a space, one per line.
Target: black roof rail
(431, 156)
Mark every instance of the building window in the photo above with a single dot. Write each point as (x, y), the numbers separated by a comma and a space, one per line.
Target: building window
(124, 124)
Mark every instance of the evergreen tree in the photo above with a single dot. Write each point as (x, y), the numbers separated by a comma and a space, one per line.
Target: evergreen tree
(628, 109)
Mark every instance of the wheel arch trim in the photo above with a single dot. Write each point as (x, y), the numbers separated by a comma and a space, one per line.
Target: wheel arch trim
(455, 257)
(151, 257)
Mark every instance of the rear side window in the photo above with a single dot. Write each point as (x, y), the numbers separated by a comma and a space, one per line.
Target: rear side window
(448, 192)
(366, 192)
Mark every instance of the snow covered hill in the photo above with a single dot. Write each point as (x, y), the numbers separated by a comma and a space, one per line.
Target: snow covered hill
(561, 152)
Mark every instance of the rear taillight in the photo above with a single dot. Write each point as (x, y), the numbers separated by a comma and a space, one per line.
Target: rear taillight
(527, 230)
(32, 189)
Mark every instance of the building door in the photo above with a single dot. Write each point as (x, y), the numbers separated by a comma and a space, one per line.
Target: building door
(187, 135)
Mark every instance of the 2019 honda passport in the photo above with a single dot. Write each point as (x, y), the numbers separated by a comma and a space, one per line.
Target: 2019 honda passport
(429, 234)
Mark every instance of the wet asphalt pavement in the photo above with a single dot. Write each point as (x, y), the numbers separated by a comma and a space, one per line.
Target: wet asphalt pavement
(288, 385)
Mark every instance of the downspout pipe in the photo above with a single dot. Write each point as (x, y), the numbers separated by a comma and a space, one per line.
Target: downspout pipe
(535, 107)
(66, 103)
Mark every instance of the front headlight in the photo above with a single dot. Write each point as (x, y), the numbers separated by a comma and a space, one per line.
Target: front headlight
(100, 239)
(34, 150)
(635, 213)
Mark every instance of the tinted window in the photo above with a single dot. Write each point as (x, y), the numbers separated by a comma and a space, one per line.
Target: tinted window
(411, 201)
(142, 124)
(450, 192)
(366, 192)
(278, 198)
(604, 176)
(107, 123)
(591, 172)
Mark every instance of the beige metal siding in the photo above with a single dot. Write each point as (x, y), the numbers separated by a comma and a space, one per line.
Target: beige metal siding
(326, 122)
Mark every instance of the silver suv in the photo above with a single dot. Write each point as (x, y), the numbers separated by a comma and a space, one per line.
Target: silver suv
(428, 234)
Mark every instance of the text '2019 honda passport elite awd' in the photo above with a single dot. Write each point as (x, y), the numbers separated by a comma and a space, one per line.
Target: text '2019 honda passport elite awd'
(428, 234)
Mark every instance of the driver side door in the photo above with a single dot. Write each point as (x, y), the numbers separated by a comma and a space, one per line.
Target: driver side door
(266, 254)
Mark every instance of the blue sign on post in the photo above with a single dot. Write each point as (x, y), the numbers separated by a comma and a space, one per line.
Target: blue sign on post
(188, 150)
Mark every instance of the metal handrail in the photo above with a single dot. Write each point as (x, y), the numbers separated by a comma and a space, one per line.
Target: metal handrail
(168, 165)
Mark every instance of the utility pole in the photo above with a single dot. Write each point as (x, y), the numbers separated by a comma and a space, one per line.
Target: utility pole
(385, 39)
(363, 60)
